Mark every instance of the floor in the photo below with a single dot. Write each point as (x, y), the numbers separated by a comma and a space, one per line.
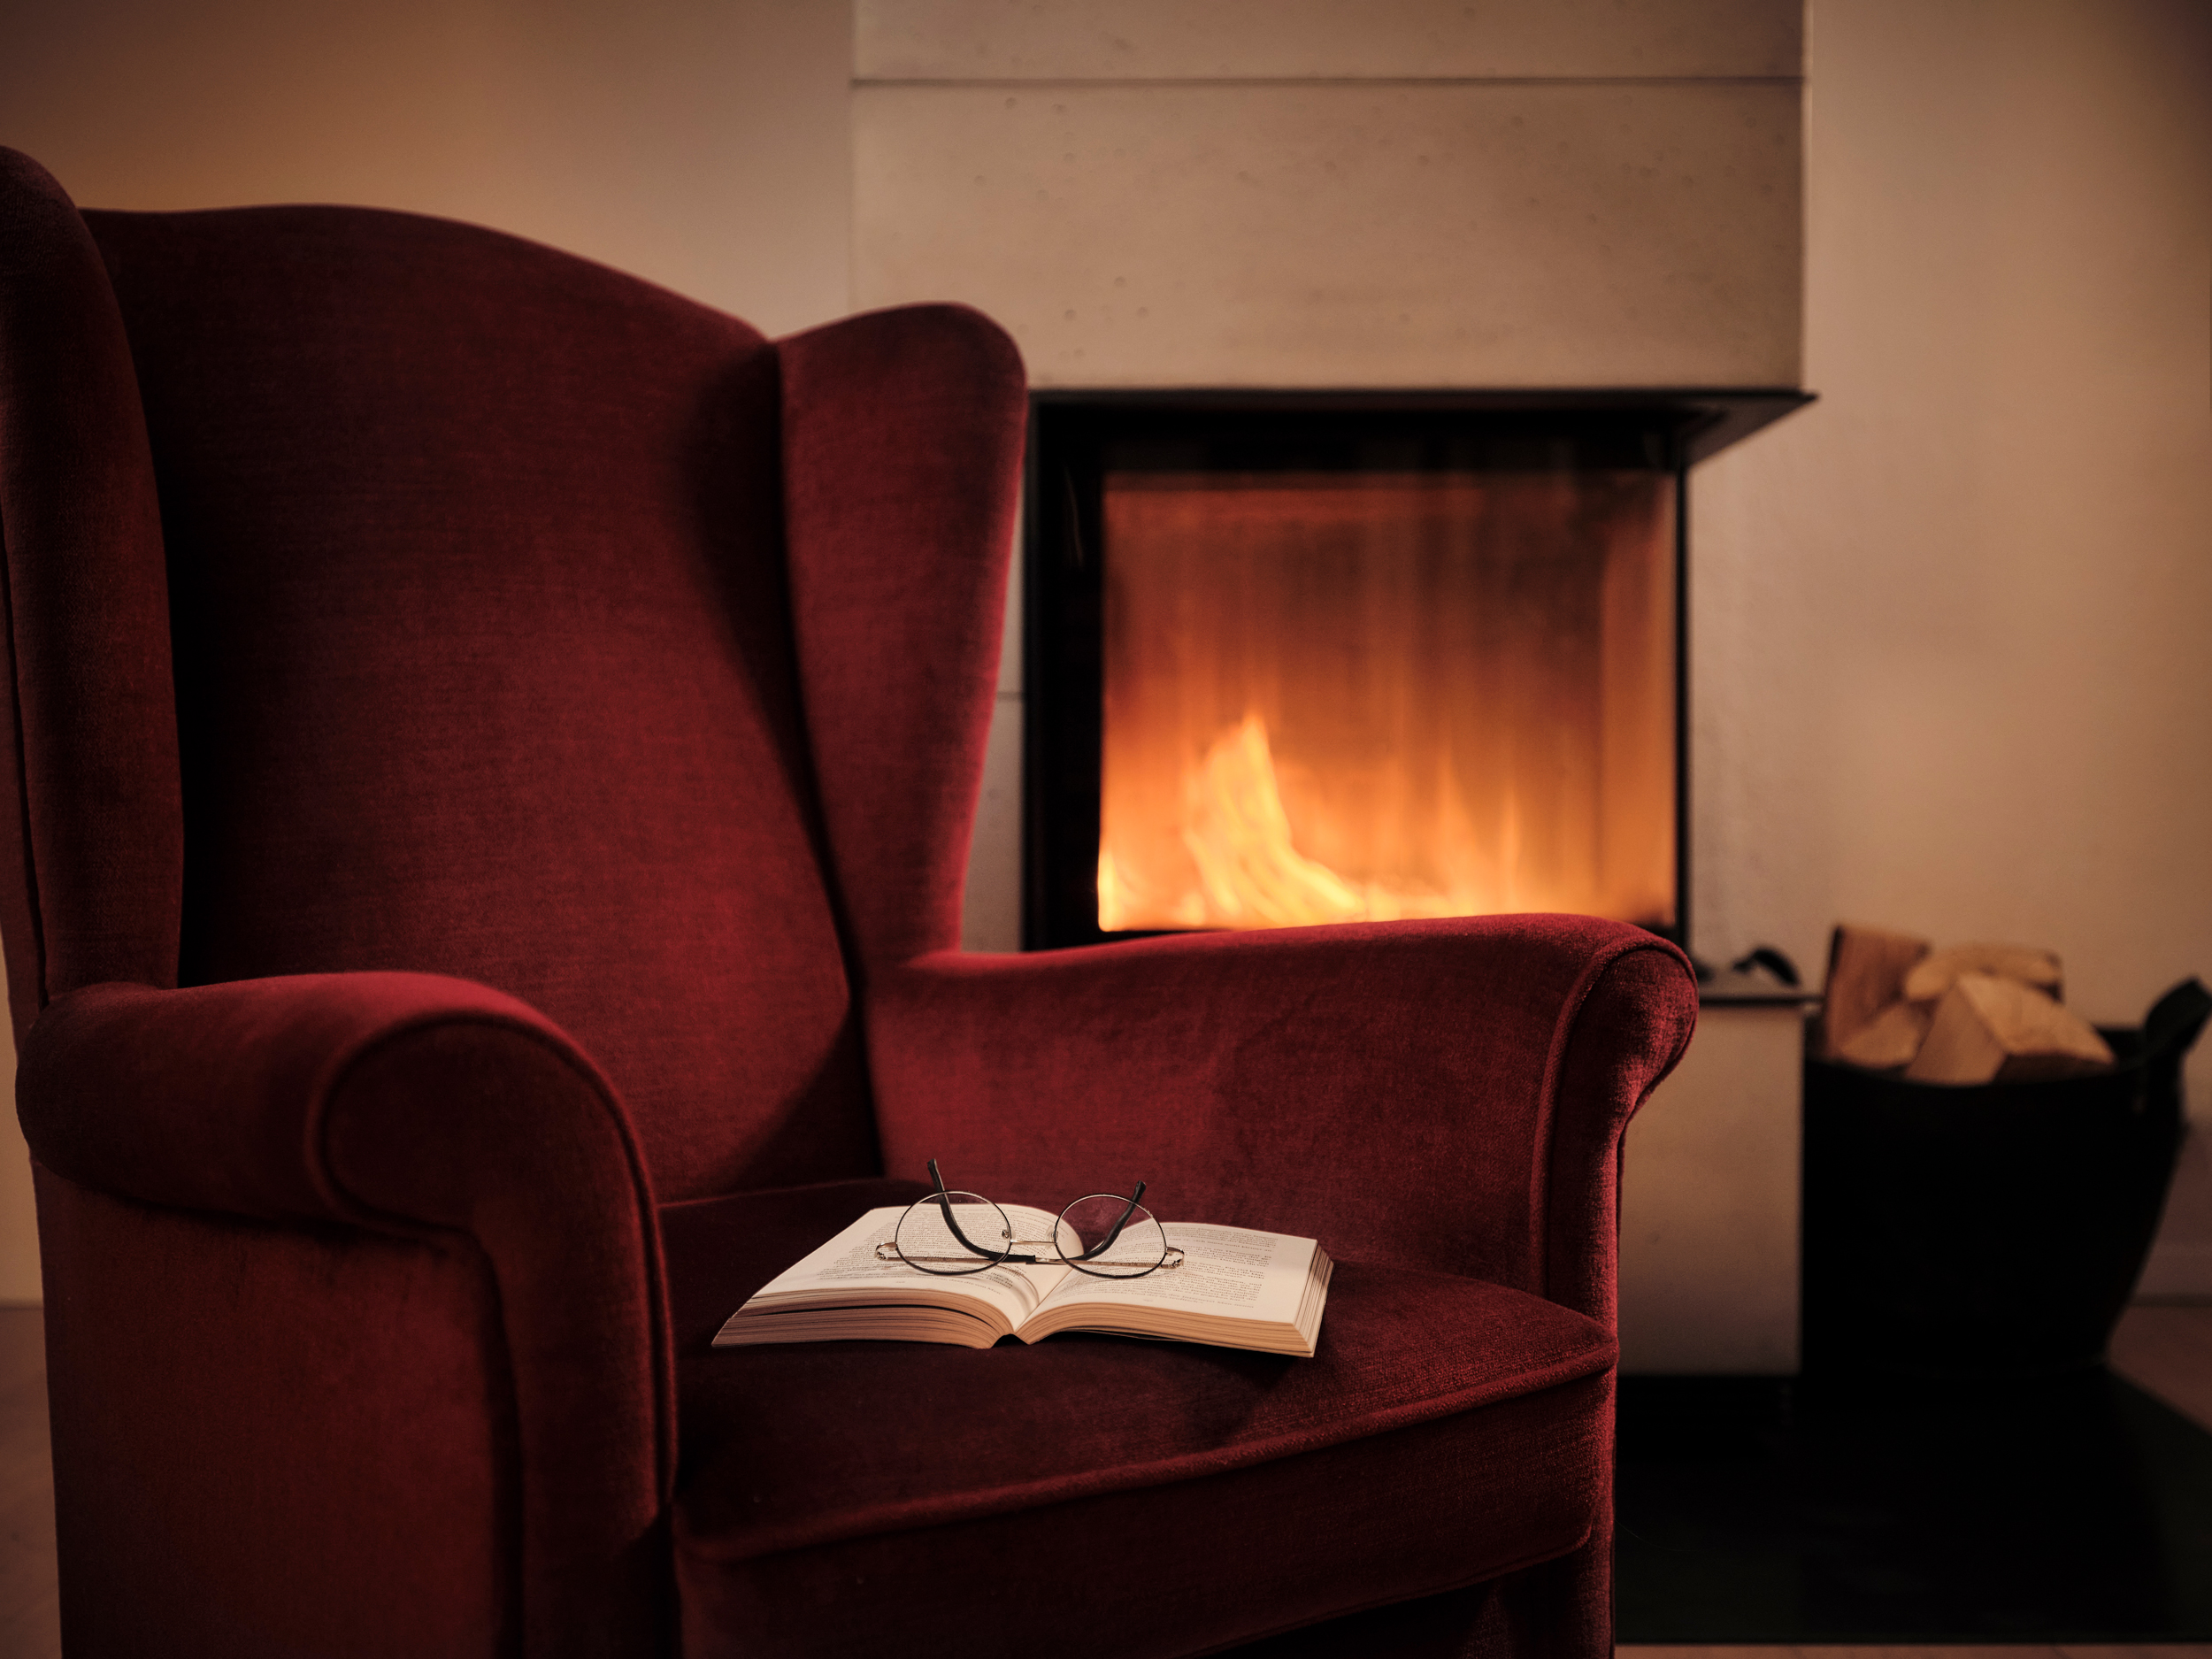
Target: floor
(2201, 1650)
(2164, 1349)
(1845, 1510)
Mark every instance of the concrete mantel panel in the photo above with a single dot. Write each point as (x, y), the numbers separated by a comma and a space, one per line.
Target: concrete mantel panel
(1417, 234)
(1145, 39)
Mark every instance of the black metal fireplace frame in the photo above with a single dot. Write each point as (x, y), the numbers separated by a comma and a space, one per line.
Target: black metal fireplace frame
(1071, 435)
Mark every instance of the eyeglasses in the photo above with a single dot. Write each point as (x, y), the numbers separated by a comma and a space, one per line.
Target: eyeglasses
(1102, 1233)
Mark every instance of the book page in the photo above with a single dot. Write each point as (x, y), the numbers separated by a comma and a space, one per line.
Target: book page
(845, 1273)
(1226, 1273)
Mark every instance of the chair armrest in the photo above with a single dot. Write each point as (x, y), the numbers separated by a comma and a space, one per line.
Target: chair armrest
(1446, 1095)
(423, 1107)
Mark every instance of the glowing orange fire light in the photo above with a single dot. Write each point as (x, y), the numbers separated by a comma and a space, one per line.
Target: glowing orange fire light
(1336, 699)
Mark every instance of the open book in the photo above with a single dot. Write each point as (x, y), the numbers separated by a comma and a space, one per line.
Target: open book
(1233, 1288)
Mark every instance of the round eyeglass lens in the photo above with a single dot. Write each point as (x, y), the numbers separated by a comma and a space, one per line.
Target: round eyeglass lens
(1110, 1238)
(969, 1238)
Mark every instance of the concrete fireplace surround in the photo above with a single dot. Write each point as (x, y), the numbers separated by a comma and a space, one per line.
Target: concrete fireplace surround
(1558, 194)
(1414, 193)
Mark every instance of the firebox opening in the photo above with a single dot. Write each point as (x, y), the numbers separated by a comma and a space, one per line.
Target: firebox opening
(1358, 697)
(1319, 659)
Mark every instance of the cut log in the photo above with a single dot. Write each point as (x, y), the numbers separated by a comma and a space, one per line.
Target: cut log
(1931, 976)
(1988, 1030)
(1890, 1039)
(1866, 973)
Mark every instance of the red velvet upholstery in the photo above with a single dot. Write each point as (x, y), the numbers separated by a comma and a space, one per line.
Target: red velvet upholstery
(425, 639)
(490, 753)
(1449, 1429)
(394, 1106)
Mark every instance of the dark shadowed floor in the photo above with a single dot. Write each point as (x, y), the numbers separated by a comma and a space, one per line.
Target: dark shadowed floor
(1855, 1510)
(2165, 1351)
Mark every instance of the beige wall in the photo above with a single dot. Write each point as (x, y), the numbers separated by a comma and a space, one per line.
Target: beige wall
(702, 143)
(1303, 193)
(1952, 626)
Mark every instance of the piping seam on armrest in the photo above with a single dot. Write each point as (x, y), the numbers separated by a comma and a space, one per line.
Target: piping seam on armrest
(1555, 1061)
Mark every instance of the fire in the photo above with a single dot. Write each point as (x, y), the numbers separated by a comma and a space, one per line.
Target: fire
(1334, 699)
(1239, 836)
(1249, 871)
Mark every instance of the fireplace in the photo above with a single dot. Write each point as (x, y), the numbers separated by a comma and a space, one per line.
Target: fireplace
(1296, 658)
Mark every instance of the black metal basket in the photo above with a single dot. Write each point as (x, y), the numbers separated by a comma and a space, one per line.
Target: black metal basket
(1992, 1230)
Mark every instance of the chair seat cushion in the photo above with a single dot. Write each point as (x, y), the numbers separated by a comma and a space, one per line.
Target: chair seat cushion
(1103, 1495)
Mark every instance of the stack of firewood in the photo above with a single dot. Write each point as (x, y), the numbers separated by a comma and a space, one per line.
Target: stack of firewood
(1969, 1014)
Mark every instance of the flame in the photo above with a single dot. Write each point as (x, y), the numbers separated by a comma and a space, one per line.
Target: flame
(1250, 874)
(1239, 836)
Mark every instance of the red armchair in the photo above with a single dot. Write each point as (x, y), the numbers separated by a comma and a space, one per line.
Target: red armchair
(491, 758)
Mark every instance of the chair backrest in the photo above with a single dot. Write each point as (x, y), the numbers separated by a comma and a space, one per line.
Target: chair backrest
(500, 617)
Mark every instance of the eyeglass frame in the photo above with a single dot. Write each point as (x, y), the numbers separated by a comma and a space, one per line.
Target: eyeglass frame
(1172, 1256)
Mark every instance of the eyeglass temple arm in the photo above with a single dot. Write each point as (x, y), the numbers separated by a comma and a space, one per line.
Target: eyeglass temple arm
(1113, 1232)
(944, 1207)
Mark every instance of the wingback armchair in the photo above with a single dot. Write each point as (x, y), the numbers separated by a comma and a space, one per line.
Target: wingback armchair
(490, 752)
